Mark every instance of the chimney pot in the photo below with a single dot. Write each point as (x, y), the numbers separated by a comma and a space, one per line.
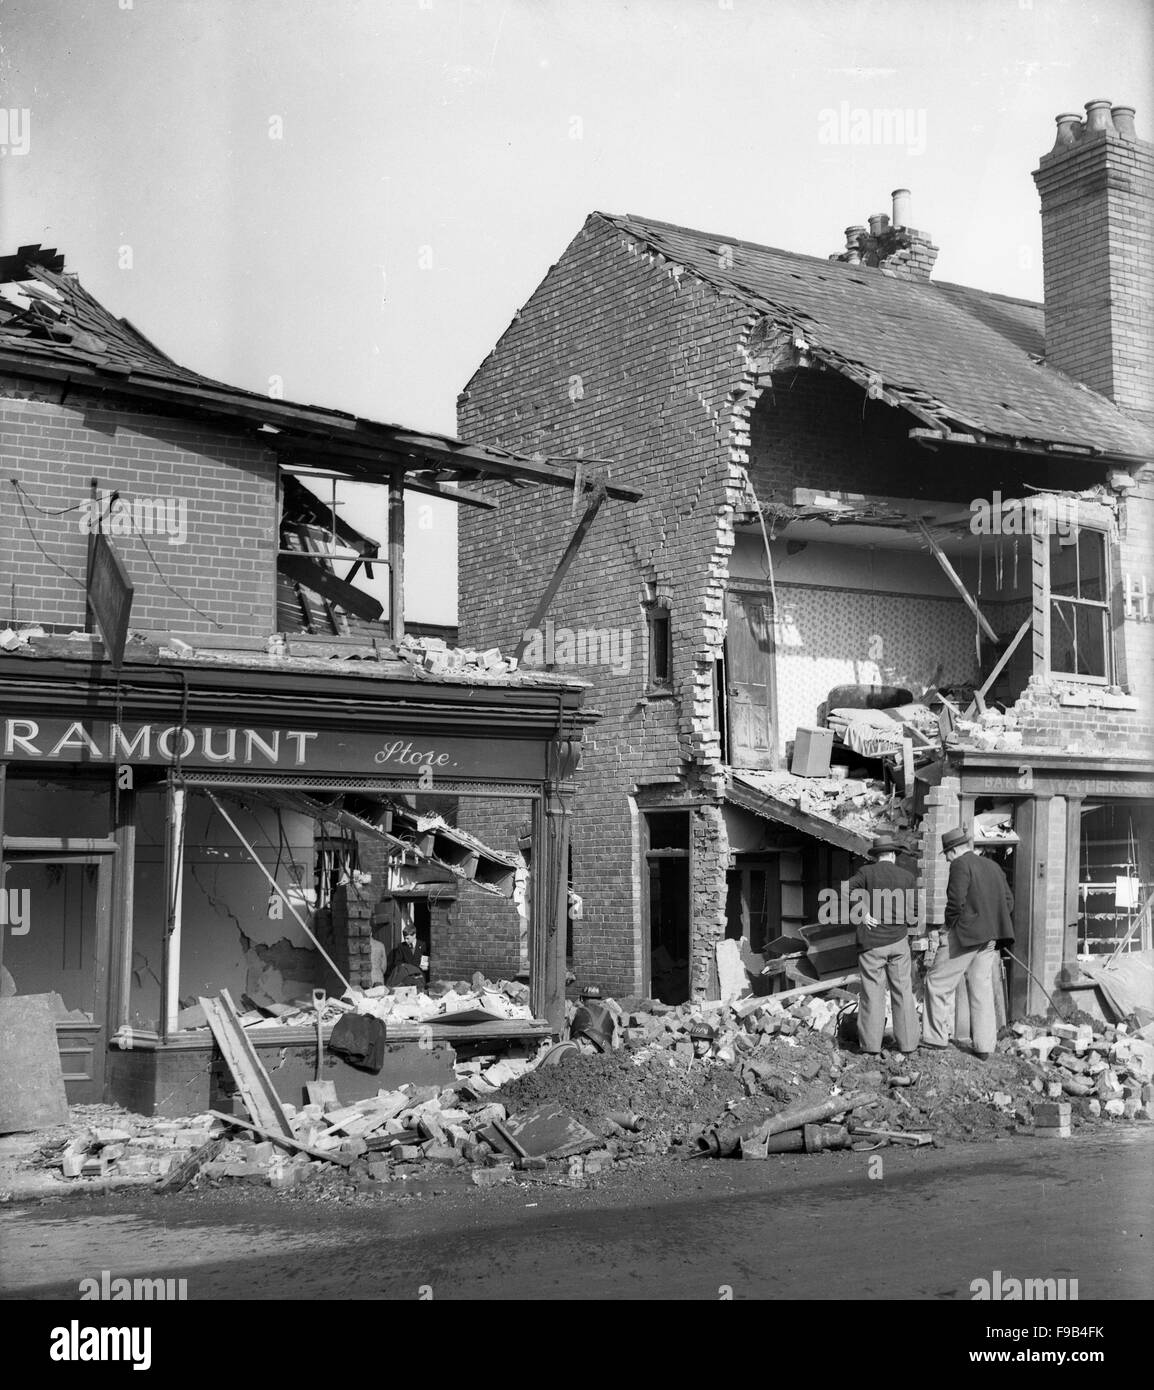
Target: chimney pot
(901, 197)
(1124, 122)
(853, 236)
(879, 223)
(1098, 117)
(1069, 130)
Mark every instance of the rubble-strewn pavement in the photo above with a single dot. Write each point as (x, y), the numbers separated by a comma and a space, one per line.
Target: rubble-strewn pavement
(666, 1076)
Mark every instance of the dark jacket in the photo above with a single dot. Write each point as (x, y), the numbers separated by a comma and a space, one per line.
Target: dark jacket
(360, 1040)
(978, 902)
(889, 895)
(404, 966)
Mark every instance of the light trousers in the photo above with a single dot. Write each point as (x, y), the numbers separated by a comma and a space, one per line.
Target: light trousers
(953, 964)
(878, 966)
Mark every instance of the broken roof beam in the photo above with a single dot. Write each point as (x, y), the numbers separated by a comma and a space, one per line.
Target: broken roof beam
(331, 431)
(978, 702)
(559, 573)
(302, 569)
(850, 505)
(954, 578)
(300, 467)
(1021, 445)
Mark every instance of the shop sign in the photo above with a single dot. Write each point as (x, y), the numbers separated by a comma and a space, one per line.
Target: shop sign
(259, 749)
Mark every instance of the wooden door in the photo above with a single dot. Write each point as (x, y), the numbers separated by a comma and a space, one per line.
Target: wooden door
(63, 948)
(749, 657)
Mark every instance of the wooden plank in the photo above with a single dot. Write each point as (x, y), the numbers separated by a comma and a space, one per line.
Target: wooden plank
(256, 859)
(396, 543)
(440, 1031)
(56, 845)
(306, 569)
(980, 695)
(954, 578)
(286, 1141)
(32, 1092)
(248, 1071)
(559, 573)
(1040, 591)
(177, 799)
(184, 1173)
(817, 987)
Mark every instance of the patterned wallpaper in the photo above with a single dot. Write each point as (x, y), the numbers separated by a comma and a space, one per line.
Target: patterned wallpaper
(831, 637)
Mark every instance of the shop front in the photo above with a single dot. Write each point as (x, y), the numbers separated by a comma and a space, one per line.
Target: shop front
(200, 825)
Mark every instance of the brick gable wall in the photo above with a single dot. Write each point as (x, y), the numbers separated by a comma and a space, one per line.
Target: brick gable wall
(618, 355)
(228, 486)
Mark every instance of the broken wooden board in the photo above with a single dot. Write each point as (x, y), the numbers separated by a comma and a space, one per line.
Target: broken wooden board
(284, 1140)
(184, 1173)
(32, 1092)
(550, 1131)
(256, 1089)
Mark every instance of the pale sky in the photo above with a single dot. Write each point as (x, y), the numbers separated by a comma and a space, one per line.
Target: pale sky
(355, 196)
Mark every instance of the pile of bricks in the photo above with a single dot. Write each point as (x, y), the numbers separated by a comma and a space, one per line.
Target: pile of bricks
(132, 1146)
(721, 1033)
(1087, 1072)
(433, 654)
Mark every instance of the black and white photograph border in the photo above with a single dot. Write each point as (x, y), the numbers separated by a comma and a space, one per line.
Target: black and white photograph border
(546, 752)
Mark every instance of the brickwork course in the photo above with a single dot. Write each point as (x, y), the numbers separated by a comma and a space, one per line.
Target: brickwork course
(717, 375)
(225, 485)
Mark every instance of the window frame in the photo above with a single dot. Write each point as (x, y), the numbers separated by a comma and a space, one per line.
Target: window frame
(1045, 601)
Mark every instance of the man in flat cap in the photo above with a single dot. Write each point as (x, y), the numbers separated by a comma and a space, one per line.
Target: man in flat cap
(882, 900)
(978, 908)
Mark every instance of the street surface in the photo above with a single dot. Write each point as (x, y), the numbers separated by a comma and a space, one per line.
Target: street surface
(798, 1227)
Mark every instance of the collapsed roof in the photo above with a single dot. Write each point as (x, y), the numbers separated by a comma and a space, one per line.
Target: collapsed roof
(962, 361)
(52, 328)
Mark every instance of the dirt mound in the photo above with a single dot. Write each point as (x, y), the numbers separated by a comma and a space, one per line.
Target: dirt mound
(671, 1094)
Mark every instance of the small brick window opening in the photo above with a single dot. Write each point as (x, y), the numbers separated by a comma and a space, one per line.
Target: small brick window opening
(660, 648)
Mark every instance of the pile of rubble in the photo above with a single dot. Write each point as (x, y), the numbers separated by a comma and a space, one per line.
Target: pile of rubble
(1107, 1072)
(433, 654)
(637, 1081)
(502, 999)
(854, 803)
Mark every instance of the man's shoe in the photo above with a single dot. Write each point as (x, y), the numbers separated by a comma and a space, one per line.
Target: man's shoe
(983, 1056)
(931, 1047)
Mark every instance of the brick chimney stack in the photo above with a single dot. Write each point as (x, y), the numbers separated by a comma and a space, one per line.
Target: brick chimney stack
(894, 247)
(1097, 187)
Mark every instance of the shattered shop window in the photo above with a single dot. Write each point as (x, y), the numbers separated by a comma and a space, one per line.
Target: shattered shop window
(1080, 605)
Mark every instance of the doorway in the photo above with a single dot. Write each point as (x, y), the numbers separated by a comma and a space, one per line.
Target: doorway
(749, 675)
(667, 858)
(62, 947)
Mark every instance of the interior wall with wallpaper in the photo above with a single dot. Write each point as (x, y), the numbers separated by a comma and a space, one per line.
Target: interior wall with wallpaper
(829, 637)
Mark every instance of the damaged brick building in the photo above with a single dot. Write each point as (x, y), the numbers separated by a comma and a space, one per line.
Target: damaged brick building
(891, 572)
(224, 761)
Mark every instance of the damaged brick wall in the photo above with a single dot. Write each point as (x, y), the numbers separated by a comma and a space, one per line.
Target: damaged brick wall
(222, 486)
(619, 354)
(480, 931)
(1081, 718)
(943, 812)
(352, 918)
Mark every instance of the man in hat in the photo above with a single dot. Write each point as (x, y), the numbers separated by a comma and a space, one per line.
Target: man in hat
(978, 908)
(882, 901)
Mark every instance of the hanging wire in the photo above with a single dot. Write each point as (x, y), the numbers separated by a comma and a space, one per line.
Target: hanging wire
(44, 511)
(36, 539)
